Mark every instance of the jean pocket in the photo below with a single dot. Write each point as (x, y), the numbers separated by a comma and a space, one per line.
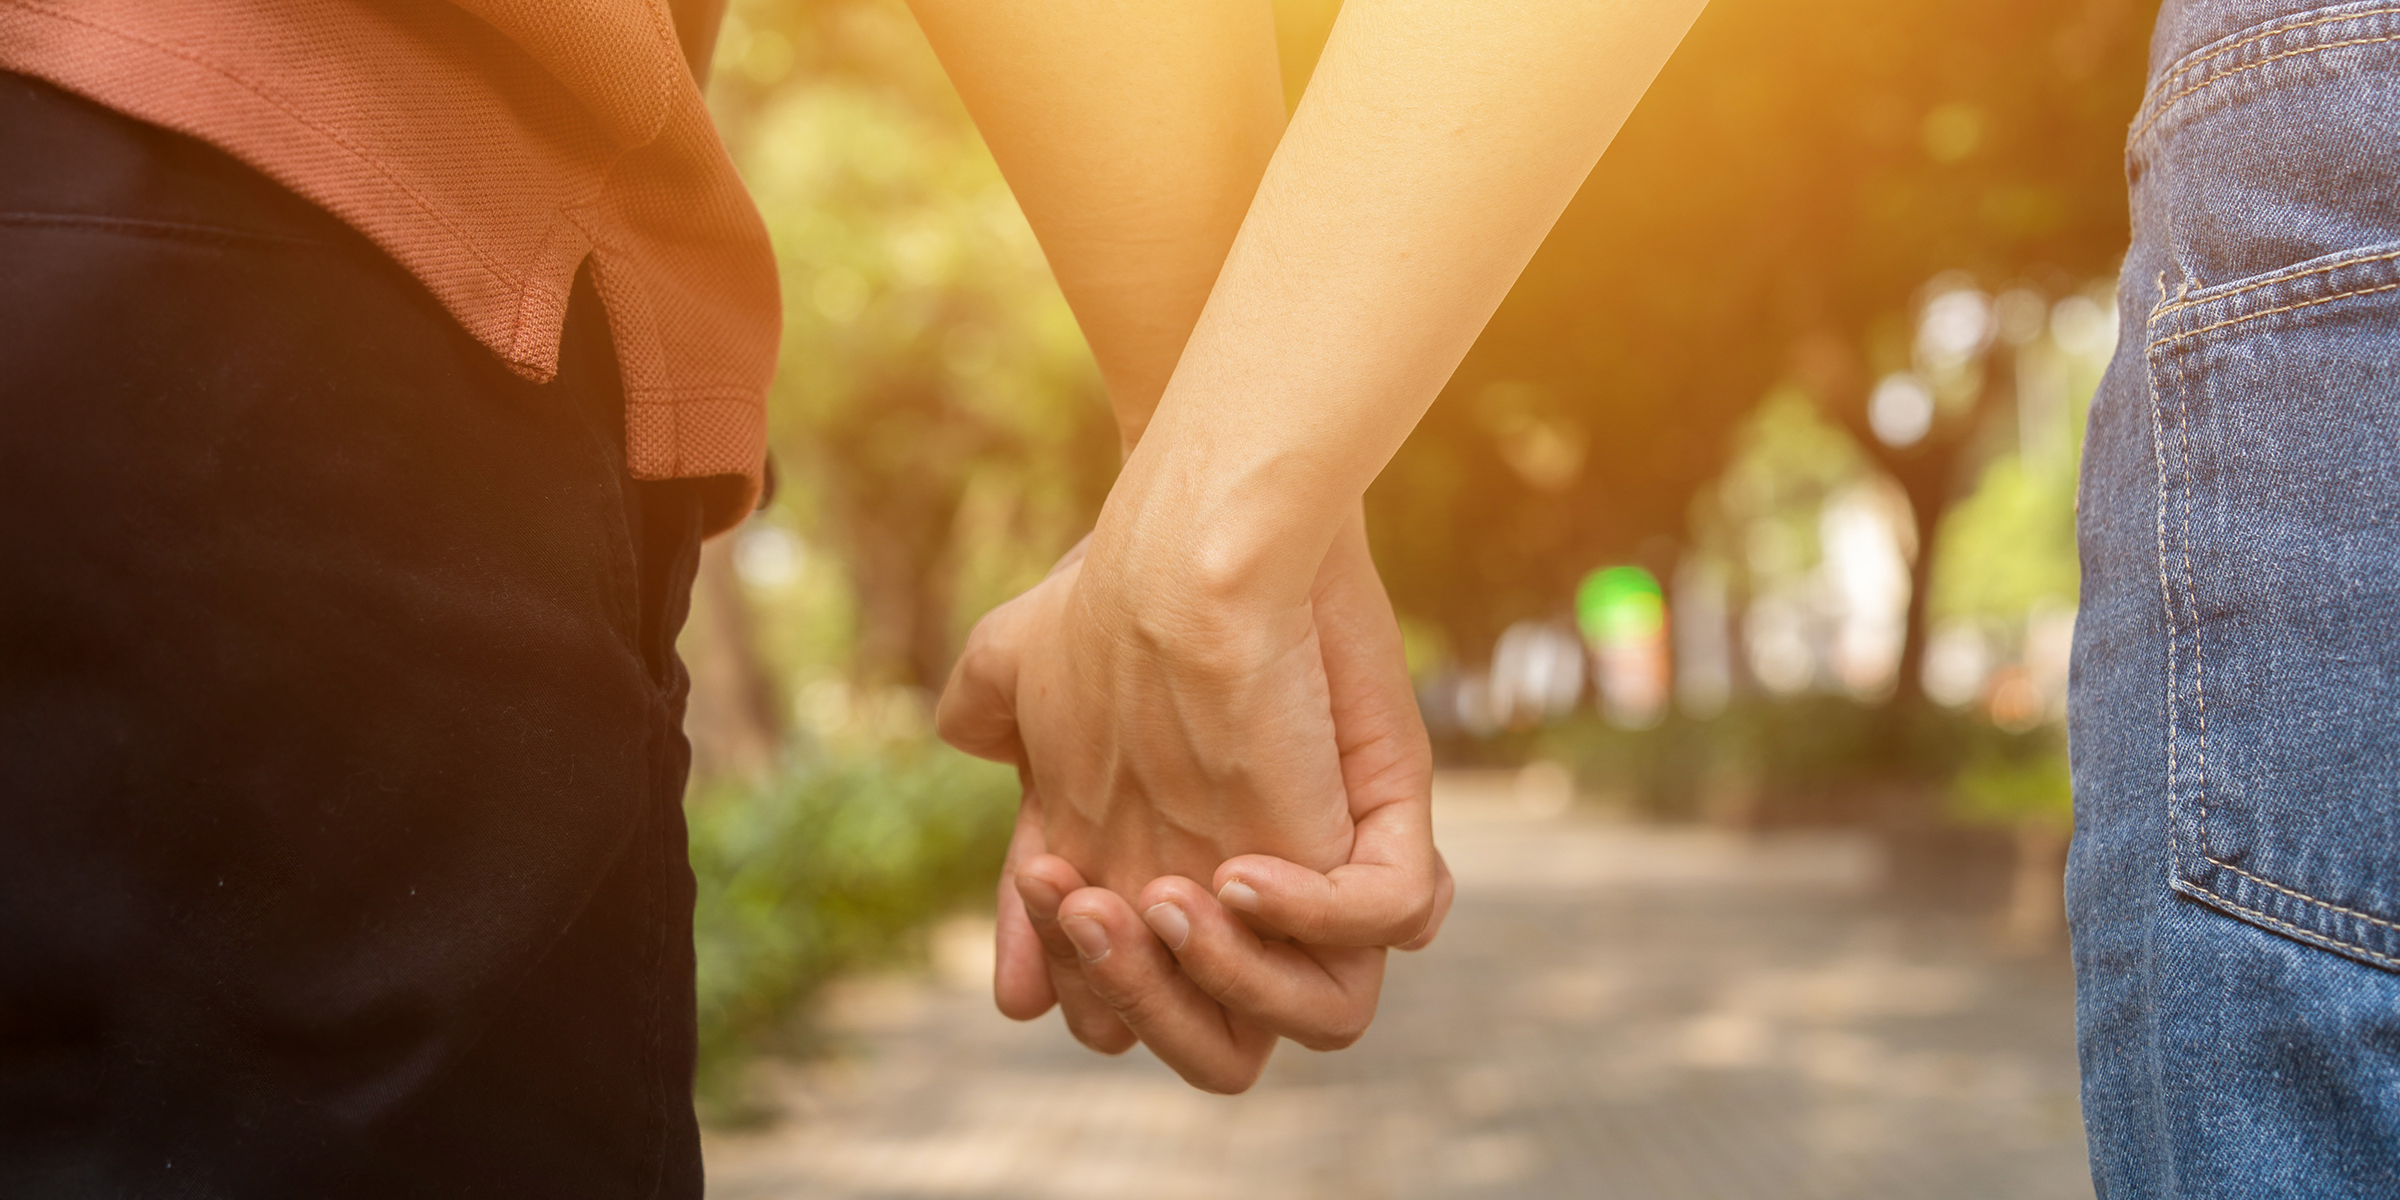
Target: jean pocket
(2273, 146)
(2277, 438)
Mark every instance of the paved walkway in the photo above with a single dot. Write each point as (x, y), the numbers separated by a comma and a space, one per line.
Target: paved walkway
(1613, 1011)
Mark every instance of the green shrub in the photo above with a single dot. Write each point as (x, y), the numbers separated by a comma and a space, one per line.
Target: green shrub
(833, 864)
(2011, 785)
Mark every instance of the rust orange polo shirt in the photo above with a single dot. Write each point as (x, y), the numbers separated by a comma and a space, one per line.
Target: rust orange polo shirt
(490, 147)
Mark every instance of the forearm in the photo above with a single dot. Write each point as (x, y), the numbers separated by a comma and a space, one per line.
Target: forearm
(1133, 135)
(1437, 145)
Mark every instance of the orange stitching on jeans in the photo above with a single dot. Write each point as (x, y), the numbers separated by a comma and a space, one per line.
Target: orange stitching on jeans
(2306, 935)
(2166, 589)
(2191, 599)
(2269, 883)
(2179, 305)
(2169, 103)
(2268, 312)
(2264, 34)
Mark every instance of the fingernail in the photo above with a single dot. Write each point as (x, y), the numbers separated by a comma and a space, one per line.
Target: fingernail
(1040, 898)
(1168, 922)
(1091, 941)
(1238, 896)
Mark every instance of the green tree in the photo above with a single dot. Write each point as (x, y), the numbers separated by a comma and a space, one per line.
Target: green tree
(937, 420)
(1771, 214)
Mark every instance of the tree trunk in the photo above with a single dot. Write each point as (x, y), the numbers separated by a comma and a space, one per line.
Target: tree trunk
(732, 717)
(891, 477)
(1927, 471)
(902, 580)
(1925, 510)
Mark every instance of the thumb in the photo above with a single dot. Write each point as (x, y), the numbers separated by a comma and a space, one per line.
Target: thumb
(1360, 903)
(978, 708)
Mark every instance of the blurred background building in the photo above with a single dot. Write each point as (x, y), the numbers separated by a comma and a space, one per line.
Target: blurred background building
(1752, 508)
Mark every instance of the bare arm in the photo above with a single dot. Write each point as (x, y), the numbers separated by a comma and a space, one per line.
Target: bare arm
(1134, 136)
(1173, 690)
(1133, 133)
(1437, 145)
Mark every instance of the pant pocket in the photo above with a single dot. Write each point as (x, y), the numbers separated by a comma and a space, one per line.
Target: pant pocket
(2277, 439)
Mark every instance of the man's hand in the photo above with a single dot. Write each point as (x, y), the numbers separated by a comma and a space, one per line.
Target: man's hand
(1165, 734)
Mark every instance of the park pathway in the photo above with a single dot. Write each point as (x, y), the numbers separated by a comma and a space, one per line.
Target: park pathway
(1614, 1011)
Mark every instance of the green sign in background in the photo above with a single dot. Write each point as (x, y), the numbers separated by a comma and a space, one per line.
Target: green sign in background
(1615, 605)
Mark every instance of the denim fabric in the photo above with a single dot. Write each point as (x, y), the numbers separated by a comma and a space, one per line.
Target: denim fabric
(341, 841)
(2235, 881)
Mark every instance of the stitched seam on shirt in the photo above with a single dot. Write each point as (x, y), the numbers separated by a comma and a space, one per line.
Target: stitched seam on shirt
(2325, 904)
(2306, 935)
(2263, 35)
(2169, 103)
(662, 27)
(696, 393)
(162, 230)
(262, 92)
(2268, 312)
(2178, 305)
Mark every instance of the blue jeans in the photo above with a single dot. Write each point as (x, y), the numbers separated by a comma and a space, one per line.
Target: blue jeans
(2235, 881)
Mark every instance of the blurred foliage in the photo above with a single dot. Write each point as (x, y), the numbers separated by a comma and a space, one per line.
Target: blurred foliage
(1809, 761)
(829, 866)
(1765, 224)
(2015, 782)
(1762, 516)
(1769, 216)
(1806, 760)
(938, 421)
(2009, 547)
(940, 438)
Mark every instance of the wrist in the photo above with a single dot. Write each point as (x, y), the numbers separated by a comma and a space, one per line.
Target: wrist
(1226, 527)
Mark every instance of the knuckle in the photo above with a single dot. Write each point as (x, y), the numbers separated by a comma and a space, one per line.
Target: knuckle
(969, 672)
(990, 631)
(1326, 1041)
(1140, 1007)
(1341, 1032)
(1233, 983)
(979, 640)
(1311, 918)
(951, 725)
(1102, 1039)
(1097, 1028)
(1225, 1079)
(1017, 1008)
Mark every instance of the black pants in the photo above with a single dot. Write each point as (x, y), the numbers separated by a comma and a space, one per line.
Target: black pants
(340, 843)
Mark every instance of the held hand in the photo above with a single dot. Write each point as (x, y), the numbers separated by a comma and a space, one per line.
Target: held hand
(1215, 1019)
(1205, 1019)
(1164, 734)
